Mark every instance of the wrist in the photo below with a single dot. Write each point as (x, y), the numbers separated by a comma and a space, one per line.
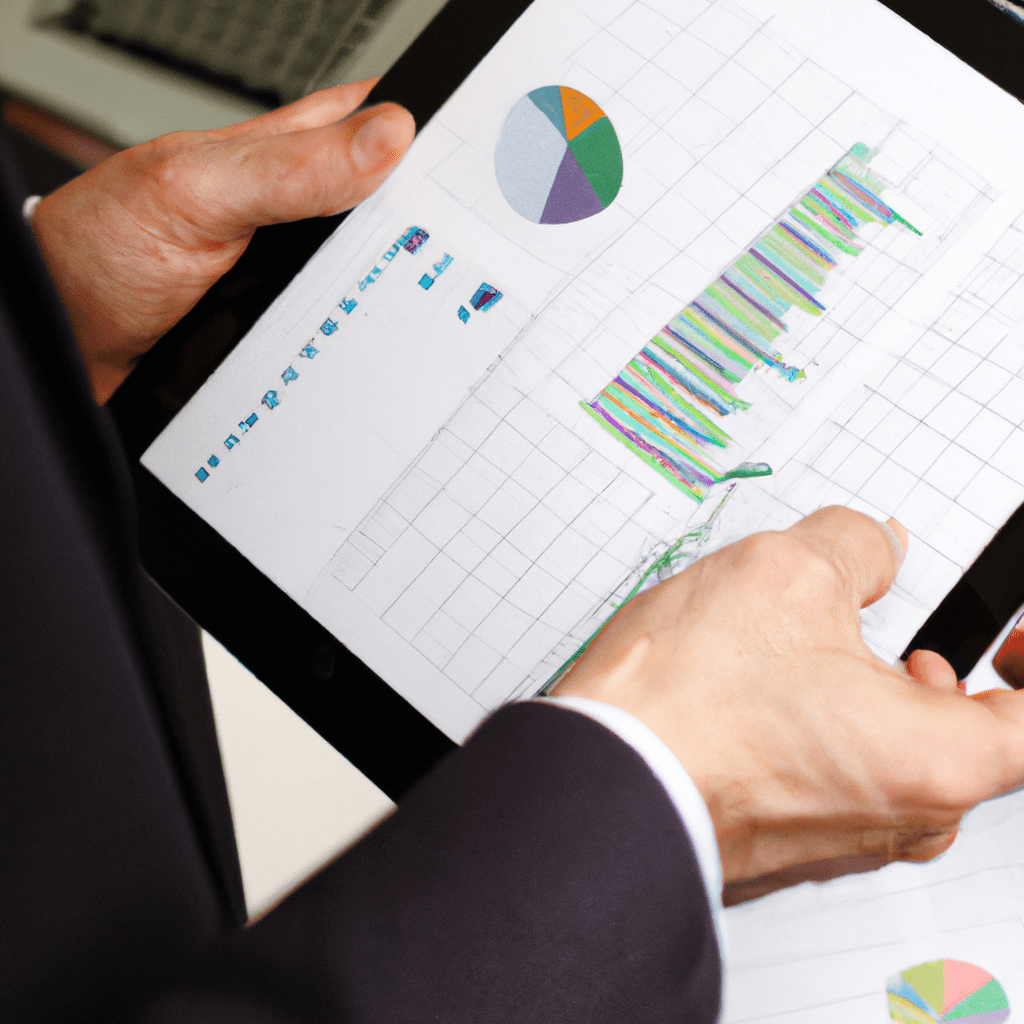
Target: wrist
(78, 276)
(635, 678)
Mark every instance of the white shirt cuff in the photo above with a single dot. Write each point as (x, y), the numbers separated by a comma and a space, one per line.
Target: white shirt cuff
(678, 785)
(28, 208)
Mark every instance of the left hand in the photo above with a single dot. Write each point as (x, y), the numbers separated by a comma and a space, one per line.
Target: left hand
(134, 243)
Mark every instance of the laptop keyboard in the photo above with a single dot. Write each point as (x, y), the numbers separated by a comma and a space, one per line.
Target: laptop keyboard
(269, 49)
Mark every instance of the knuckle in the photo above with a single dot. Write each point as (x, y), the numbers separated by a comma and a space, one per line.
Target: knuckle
(934, 795)
(170, 159)
(781, 561)
(922, 846)
(769, 548)
(161, 159)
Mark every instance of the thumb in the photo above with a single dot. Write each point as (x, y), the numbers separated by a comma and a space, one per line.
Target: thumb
(314, 172)
(932, 670)
(380, 136)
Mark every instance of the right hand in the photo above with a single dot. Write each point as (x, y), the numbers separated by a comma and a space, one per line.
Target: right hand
(812, 755)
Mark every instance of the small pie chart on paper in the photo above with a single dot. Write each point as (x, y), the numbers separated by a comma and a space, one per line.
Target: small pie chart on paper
(946, 990)
(558, 159)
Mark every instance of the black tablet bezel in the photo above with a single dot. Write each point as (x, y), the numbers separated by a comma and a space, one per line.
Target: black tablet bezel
(300, 661)
(306, 666)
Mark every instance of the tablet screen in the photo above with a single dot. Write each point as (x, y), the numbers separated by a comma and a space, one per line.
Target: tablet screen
(658, 275)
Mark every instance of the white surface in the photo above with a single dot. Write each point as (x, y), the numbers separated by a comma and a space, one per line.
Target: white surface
(440, 502)
(296, 802)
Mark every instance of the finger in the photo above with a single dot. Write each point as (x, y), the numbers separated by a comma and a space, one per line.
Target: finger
(313, 111)
(293, 175)
(932, 670)
(998, 741)
(929, 846)
(899, 538)
(742, 890)
(977, 752)
(1009, 659)
(866, 554)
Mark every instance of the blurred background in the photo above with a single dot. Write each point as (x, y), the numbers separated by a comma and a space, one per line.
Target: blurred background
(80, 79)
(123, 71)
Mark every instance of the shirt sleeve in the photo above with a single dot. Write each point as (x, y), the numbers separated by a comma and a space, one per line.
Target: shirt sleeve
(678, 785)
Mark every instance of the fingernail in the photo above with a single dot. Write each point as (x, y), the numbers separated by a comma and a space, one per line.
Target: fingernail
(375, 144)
(894, 539)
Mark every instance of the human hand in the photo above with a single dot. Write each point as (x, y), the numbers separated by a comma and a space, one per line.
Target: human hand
(813, 756)
(135, 242)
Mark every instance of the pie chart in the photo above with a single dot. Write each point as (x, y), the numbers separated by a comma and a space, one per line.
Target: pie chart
(947, 990)
(558, 158)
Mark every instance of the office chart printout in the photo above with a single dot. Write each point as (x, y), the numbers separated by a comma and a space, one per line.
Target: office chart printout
(658, 275)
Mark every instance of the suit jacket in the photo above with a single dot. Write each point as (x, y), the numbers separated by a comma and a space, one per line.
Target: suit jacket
(541, 873)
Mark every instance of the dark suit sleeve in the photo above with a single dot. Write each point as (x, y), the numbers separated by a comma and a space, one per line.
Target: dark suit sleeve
(540, 874)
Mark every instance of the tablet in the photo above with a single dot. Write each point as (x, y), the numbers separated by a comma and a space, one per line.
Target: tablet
(652, 277)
